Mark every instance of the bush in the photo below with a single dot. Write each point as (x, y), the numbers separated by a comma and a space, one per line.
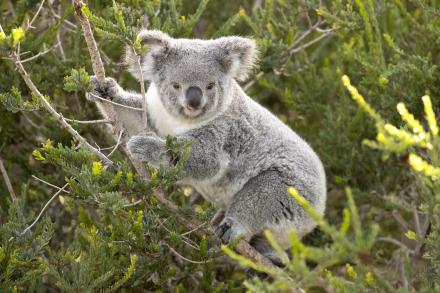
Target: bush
(71, 223)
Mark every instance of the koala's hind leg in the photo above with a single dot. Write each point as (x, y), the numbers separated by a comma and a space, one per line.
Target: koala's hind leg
(262, 203)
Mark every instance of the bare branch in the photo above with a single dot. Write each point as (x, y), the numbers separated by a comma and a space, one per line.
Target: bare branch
(29, 25)
(100, 121)
(249, 84)
(393, 241)
(40, 54)
(98, 67)
(114, 103)
(48, 183)
(117, 144)
(308, 44)
(173, 251)
(44, 209)
(52, 111)
(7, 181)
(403, 224)
(144, 97)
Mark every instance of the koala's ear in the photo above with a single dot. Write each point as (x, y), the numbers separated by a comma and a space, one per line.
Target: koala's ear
(237, 55)
(158, 44)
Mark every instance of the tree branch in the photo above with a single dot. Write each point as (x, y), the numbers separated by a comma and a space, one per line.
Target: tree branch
(7, 181)
(51, 110)
(44, 208)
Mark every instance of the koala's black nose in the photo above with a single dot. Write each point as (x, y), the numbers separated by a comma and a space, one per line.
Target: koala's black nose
(194, 97)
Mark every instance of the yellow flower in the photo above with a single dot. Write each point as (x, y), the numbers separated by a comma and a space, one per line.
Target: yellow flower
(430, 116)
(97, 168)
(369, 278)
(350, 271)
(2, 36)
(383, 80)
(17, 36)
(419, 165)
(409, 118)
(359, 99)
(411, 235)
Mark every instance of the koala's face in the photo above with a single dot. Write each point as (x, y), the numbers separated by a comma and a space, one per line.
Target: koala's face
(193, 77)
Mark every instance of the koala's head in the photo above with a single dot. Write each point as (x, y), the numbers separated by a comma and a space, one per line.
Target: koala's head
(193, 77)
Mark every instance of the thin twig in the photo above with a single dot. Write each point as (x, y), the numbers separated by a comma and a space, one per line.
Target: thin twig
(44, 208)
(173, 251)
(40, 54)
(253, 81)
(52, 111)
(63, 55)
(403, 224)
(195, 229)
(416, 219)
(144, 97)
(48, 183)
(114, 103)
(133, 203)
(100, 121)
(393, 241)
(29, 25)
(118, 142)
(7, 181)
(308, 44)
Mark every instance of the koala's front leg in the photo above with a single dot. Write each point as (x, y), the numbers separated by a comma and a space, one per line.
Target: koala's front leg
(149, 148)
(130, 118)
(112, 91)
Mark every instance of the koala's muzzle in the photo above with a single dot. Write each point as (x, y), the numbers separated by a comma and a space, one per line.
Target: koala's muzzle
(194, 97)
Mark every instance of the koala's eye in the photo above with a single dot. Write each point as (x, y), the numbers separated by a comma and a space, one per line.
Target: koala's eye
(210, 86)
(176, 86)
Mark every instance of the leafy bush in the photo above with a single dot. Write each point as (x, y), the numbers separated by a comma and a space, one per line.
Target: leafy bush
(69, 222)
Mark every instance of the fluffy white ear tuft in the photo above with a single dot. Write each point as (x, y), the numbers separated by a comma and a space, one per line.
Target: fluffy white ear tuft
(157, 43)
(237, 55)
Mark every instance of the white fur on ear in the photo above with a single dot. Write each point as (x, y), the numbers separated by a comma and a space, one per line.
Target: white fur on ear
(157, 42)
(237, 55)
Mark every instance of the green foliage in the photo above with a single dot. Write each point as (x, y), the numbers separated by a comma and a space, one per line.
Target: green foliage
(77, 81)
(108, 233)
(12, 101)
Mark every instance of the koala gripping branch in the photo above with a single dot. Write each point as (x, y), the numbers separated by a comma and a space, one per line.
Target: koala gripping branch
(242, 247)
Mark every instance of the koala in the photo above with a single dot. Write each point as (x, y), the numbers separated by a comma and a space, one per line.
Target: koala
(243, 158)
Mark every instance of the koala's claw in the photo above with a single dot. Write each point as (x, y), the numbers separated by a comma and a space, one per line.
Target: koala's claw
(230, 229)
(109, 90)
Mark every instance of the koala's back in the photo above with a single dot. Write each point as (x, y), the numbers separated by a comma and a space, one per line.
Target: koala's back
(255, 141)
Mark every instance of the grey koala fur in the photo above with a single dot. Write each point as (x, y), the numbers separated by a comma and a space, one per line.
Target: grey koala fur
(243, 158)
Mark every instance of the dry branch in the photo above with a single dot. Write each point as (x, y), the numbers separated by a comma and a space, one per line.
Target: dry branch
(45, 208)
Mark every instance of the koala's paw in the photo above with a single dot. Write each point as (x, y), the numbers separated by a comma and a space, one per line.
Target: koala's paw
(110, 89)
(147, 147)
(230, 229)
